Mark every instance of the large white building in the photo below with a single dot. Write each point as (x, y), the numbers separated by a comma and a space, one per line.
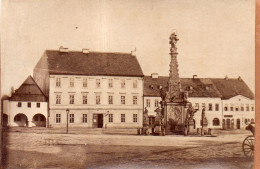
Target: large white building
(97, 89)
(229, 103)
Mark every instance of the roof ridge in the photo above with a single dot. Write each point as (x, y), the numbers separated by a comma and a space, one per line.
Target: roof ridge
(55, 50)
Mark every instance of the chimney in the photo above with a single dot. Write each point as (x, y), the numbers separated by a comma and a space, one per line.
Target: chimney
(154, 75)
(239, 78)
(85, 50)
(195, 76)
(226, 77)
(62, 49)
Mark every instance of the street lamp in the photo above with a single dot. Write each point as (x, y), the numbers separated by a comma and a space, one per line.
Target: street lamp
(67, 120)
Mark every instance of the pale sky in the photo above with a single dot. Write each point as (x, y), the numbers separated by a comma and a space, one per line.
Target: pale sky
(217, 38)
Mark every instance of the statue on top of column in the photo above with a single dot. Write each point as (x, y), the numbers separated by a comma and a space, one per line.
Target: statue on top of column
(173, 41)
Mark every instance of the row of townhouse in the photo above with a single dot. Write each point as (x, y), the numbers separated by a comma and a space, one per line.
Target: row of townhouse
(100, 90)
(229, 103)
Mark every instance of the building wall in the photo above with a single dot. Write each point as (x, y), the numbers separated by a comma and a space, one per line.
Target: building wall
(29, 112)
(210, 114)
(91, 91)
(152, 106)
(243, 114)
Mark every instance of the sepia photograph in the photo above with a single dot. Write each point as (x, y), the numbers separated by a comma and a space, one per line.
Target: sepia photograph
(128, 84)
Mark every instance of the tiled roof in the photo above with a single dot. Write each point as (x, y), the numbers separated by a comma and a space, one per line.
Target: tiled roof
(232, 87)
(200, 87)
(92, 63)
(28, 91)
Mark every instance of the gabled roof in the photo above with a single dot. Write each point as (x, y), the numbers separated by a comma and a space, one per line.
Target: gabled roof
(201, 87)
(92, 63)
(28, 91)
(232, 87)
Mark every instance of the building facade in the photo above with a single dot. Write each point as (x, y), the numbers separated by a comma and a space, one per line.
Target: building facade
(97, 90)
(27, 106)
(229, 103)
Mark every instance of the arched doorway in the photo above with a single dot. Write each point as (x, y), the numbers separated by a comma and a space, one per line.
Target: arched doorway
(21, 120)
(228, 124)
(5, 120)
(238, 123)
(39, 120)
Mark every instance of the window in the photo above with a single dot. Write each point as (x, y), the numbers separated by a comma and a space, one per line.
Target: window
(226, 108)
(29, 104)
(110, 118)
(122, 118)
(57, 82)
(148, 103)
(58, 118)
(122, 83)
(216, 107)
(85, 82)
(135, 118)
(236, 108)
(252, 108)
(210, 107)
(156, 103)
(97, 99)
(71, 118)
(245, 121)
(110, 99)
(110, 83)
(215, 122)
(197, 106)
(242, 107)
(71, 82)
(85, 99)
(203, 105)
(252, 120)
(135, 84)
(98, 83)
(122, 99)
(85, 118)
(19, 104)
(247, 107)
(71, 99)
(58, 99)
(134, 99)
(231, 108)
(38, 105)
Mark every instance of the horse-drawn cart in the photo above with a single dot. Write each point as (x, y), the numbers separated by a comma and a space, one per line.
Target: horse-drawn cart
(248, 145)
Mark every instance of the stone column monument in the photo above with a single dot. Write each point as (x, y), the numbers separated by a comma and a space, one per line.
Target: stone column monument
(174, 100)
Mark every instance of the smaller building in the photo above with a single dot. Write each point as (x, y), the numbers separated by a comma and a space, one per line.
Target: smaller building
(27, 106)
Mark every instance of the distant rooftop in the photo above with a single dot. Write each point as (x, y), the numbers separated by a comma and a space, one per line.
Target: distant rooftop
(201, 87)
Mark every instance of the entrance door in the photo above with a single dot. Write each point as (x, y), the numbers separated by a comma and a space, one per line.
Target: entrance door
(228, 124)
(100, 120)
(238, 123)
(97, 120)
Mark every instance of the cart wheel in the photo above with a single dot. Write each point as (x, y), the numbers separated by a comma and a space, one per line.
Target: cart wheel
(248, 146)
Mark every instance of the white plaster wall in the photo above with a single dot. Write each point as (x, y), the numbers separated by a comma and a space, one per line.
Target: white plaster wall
(91, 90)
(78, 118)
(210, 115)
(29, 112)
(152, 108)
(242, 115)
